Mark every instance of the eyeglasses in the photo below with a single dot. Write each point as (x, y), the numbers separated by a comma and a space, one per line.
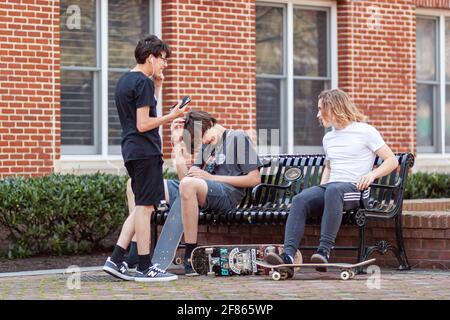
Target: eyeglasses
(163, 59)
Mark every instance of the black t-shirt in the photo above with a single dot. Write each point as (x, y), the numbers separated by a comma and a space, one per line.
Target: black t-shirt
(234, 155)
(135, 90)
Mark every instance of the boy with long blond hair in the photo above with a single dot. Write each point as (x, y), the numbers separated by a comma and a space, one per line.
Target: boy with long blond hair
(350, 149)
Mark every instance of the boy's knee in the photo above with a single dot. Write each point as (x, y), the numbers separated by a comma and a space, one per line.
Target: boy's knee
(333, 191)
(188, 187)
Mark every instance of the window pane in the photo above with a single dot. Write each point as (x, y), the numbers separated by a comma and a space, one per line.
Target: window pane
(425, 102)
(268, 108)
(77, 108)
(114, 127)
(269, 40)
(310, 43)
(78, 33)
(128, 22)
(447, 118)
(307, 131)
(426, 49)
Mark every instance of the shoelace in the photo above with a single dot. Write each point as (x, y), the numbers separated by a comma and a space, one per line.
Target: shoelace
(155, 268)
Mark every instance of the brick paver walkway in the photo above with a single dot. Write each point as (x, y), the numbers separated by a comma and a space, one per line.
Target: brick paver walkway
(417, 284)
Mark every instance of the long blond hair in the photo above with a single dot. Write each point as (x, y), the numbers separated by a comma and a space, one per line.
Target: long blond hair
(337, 103)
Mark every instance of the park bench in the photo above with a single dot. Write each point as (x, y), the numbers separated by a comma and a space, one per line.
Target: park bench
(284, 176)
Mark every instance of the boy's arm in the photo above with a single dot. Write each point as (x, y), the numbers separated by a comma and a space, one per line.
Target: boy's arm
(251, 179)
(390, 163)
(180, 154)
(326, 173)
(145, 123)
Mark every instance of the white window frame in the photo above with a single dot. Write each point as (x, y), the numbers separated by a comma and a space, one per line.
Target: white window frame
(441, 15)
(287, 86)
(101, 147)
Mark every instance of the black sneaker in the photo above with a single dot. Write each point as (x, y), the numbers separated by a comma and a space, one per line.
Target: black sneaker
(131, 263)
(154, 274)
(321, 256)
(118, 270)
(275, 259)
(189, 271)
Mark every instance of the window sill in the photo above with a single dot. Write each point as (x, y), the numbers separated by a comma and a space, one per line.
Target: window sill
(432, 162)
(89, 164)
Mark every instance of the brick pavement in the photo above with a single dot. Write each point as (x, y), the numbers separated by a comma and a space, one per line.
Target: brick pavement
(417, 284)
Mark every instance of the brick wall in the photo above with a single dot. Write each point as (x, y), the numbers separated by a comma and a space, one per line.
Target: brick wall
(426, 234)
(29, 87)
(376, 61)
(214, 59)
(434, 4)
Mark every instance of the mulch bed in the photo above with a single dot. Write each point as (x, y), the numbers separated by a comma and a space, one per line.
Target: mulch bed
(53, 262)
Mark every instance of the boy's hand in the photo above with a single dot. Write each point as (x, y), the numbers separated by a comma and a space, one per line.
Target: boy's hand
(158, 79)
(178, 112)
(365, 181)
(176, 129)
(196, 172)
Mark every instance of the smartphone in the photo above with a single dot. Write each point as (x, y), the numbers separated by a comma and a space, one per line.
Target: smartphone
(184, 102)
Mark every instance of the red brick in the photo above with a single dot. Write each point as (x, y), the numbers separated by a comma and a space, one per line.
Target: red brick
(433, 244)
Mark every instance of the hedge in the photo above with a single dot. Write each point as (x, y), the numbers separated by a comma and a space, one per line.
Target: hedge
(71, 214)
(423, 185)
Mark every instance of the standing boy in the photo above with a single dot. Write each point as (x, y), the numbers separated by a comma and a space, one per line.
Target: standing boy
(136, 99)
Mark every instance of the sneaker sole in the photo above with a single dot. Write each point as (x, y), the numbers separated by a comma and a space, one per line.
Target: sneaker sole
(148, 279)
(117, 274)
(319, 259)
(192, 275)
(272, 259)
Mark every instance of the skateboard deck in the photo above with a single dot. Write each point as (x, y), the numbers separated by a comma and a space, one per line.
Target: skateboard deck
(170, 237)
(229, 260)
(346, 268)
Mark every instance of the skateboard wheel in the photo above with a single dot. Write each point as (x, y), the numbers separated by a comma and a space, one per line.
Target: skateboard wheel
(178, 261)
(211, 274)
(284, 275)
(209, 250)
(276, 275)
(345, 275)
(352, 274)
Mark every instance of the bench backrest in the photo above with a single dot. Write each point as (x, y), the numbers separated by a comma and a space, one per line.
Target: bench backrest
(312, 166)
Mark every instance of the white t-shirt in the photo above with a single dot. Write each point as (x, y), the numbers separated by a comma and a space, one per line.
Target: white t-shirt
(351, 151)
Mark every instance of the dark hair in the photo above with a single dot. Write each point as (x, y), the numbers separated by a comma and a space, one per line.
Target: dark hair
(192, 117)
(148, 45)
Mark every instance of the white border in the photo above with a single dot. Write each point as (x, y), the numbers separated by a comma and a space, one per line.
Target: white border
(441, 15)
(104, 76)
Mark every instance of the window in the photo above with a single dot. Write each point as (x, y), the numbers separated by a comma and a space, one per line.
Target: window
(89, 121)
(433, 83)
(294, 63)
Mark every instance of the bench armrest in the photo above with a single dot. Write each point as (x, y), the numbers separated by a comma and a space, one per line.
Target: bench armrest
(259, 188)
(382, 214)
(385, 186)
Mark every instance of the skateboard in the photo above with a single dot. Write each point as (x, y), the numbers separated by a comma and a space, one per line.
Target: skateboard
(170, 237)
(229, 260)
(346, 269)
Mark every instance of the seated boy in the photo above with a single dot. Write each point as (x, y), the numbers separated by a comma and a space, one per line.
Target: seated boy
(350, 150)
(226, 164)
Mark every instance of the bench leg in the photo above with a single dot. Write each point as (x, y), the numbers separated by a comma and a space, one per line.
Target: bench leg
(401, 256)
(384, 246)
(361, 249)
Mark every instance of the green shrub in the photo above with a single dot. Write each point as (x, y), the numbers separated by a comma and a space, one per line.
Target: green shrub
(423, 185)
(61, 214)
